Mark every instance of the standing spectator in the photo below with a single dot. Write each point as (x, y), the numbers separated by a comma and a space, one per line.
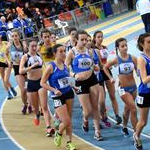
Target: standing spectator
(143, 6)
(3, 28)
(130, 4)
(8, 14)
(38, 18)
(58, 7)
(13, 14)
(72, 4)
(53, 15)
(1, 4)
(27, 11)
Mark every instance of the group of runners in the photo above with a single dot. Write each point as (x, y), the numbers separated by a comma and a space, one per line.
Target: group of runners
(79, 67)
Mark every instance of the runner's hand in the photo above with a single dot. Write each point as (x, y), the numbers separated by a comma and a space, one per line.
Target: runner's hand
(57, 92)
(96, 68)
(35, 64)
(112, 80)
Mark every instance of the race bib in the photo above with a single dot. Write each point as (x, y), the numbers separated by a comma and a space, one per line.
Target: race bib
(2, 55)
(121, 91)
(84, 63)
(57, 103)
(16, 56)
(139, 99)
(148, 85)
(63, 83)
(104, 53)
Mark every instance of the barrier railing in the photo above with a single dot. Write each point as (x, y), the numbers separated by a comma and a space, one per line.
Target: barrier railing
(84, 16)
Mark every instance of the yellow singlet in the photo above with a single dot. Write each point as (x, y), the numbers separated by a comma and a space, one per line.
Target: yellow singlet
(46, 56)
(2, 52)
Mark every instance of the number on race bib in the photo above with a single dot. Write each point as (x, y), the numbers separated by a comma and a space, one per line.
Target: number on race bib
(63, 83)
(84, 63)
(57, 103)
(139, 99)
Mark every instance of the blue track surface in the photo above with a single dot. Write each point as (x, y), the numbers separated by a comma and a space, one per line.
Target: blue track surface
(5, 142)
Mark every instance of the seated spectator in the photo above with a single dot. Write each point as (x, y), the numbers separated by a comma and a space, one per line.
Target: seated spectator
(3, 28)
(24, 25)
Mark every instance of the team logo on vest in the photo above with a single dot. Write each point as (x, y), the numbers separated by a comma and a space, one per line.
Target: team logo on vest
(127, 67)
(16, 56)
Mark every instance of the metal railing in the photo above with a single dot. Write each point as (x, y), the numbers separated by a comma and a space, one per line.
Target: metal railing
(86, 15)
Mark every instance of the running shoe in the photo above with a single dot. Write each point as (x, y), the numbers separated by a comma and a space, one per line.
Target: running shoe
(24, 109)
(13, 91)
(125, 132)
(30, 109)
(57, 139)
(9, 96)
(106, 123)
(85, 125)
(37, 120)
(137, 143)
(50, 131)
(98, 137)
(70, 146)
(118, 119)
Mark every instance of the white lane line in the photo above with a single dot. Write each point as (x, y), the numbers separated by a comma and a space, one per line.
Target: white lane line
(143, 134)
(5, 129)
(81, 139)
(2, 139)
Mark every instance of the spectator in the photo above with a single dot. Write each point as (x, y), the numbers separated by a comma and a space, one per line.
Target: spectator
(14, 14)
(24, 25)
(72, 4)
(38, 18)
(143, 6)
(53, 14)
(1, 4)
(58, 7)
(3, 28)
(8, 14)
(28, 11)
(130, 4)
